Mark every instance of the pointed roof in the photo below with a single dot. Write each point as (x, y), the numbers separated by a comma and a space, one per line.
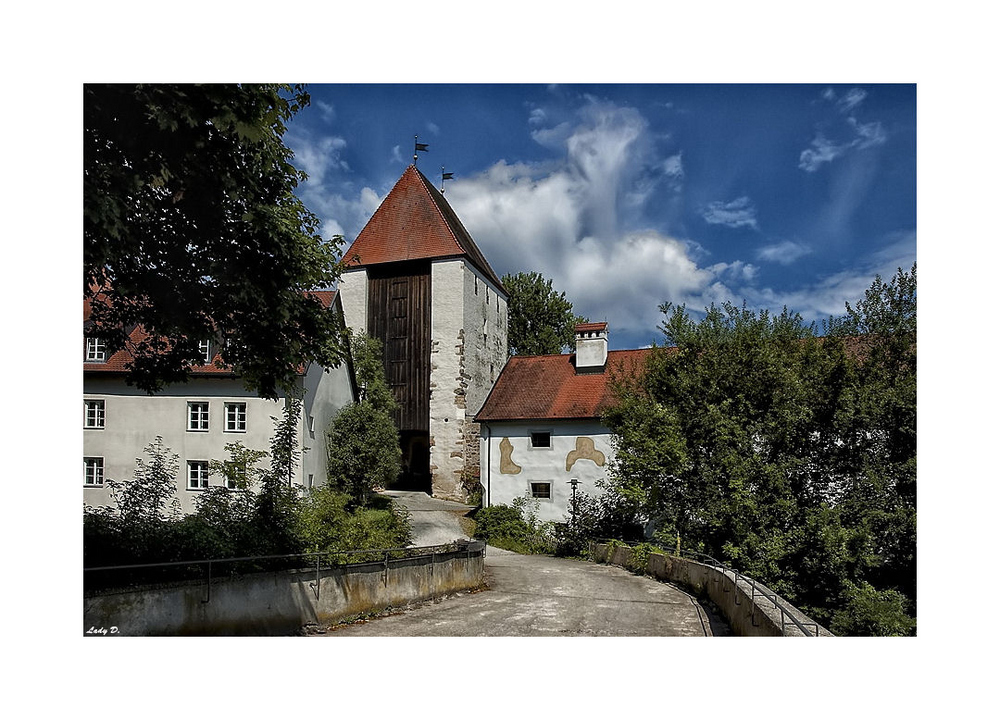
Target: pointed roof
(415, 222)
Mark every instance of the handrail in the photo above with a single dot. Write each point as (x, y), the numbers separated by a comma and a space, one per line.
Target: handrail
(434, 549)
(737, 575)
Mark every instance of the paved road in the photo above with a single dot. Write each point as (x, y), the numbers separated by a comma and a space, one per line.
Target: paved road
(534, 595)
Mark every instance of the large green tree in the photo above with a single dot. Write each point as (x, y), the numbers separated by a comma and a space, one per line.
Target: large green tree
(192, 231)
(540, 320)
(363, 451)
(790, 455)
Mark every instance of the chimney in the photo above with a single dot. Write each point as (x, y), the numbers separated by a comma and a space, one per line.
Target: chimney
(591, 347)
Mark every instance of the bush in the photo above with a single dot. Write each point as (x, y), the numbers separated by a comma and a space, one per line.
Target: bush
(326, 523)
(515, 528)
(870, 612)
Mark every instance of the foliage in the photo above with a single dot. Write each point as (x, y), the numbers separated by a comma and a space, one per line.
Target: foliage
(363, 451)
(873, 613)
(540, 320)
(134, 529)
(192, 231)
(276, 506)
(791, 456)
(515, 527)
(326, 523)
(608, 514)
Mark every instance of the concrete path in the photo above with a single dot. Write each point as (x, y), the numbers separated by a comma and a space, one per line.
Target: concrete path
(535, 595)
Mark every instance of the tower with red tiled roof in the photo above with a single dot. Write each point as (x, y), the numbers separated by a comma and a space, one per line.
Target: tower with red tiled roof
(417, 281)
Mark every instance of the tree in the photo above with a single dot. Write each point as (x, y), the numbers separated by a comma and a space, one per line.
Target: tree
(541, 320)
(790, 455)
(192, 232)
(363, 451)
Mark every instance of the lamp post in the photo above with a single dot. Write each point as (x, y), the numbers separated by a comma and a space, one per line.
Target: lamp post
(572, 503)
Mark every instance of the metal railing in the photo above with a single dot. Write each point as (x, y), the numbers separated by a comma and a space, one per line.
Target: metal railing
(316, 561)
(755, 588)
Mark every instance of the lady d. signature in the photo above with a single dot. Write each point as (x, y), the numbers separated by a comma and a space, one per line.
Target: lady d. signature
(113, 630)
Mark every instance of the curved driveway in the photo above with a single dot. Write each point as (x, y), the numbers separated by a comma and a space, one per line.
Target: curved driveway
(536, 595)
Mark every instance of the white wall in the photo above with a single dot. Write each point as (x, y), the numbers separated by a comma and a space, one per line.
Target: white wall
(541, 464)
(468, 350)
(134, 419)
(326, 393)
(353, 287)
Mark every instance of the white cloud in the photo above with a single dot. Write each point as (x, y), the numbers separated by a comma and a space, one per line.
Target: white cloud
(736, 213)
(564, 219)
(433, 128)
(319, 156)
(857, 135)
(783, 253)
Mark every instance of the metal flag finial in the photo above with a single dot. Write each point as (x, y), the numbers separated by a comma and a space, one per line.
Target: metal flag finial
(418, 147)
(445, 176)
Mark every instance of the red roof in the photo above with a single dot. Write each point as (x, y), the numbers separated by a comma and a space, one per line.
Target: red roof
(118, 361)
(591, 327)
(547, 387)
(415, 222)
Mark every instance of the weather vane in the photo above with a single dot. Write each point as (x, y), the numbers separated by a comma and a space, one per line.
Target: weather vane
(418, 147)
(445, 176)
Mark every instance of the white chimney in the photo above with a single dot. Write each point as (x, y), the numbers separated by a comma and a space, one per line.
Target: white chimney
(591, 347)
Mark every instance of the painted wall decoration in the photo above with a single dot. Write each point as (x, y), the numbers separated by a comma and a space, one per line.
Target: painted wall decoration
(584, 451)
(507, 466)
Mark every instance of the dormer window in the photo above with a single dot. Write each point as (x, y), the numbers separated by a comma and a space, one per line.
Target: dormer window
(205, 348)
(96, 350)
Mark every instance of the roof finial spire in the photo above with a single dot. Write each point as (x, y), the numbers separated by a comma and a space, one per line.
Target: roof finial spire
(445, 176)
(418, 147)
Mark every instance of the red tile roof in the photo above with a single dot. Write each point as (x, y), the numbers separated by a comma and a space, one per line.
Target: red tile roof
(118, 361)
(415, 222)
(591, 327)
(547, 387)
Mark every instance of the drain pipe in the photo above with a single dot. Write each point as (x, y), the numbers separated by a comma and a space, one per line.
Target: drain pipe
(489, 465)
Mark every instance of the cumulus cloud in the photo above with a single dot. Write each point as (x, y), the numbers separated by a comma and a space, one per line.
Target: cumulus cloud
(342, 208)
(566, 219)
(736, 213)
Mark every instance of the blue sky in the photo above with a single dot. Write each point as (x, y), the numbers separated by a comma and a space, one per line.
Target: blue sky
(627, 196)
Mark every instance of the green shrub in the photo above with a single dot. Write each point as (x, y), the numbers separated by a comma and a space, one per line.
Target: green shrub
(871, 612)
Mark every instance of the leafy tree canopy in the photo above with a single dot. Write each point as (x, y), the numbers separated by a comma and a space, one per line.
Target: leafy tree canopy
(790, 455)
(192, 232)
(540, 320)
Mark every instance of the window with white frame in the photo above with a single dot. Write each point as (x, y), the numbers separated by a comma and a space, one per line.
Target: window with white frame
(541, 439)
(93, 471)
(197, 416)
(541, 490)
(205, 348)
(197, 474)
(96, 350)
(236, 417)
(93, 414)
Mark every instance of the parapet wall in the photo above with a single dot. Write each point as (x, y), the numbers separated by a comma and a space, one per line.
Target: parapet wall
(746, 605)
(280, 603)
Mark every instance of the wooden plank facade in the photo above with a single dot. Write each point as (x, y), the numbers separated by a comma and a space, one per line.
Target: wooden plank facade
(399, 315)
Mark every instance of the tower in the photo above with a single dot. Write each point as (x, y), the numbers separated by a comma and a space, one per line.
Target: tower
(417, 282)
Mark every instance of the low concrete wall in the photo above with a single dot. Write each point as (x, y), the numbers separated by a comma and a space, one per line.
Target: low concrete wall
(279, 603)
(748, 611)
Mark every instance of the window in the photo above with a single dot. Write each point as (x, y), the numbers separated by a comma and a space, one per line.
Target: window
(236, 417)
(96, 350)
(93, 471)
(198, 416)
(541, 490)
(197, 474)
(205, 348)
(541, 439)
(93, 414)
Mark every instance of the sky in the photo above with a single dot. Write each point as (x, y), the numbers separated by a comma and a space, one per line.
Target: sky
(628, 196)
